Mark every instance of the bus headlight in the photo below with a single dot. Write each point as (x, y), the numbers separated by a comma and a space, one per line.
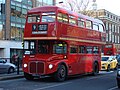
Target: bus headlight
(50, 66)
(25, 65)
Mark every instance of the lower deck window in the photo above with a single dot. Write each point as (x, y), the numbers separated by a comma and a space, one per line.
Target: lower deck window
(60, 48)
(73, 49)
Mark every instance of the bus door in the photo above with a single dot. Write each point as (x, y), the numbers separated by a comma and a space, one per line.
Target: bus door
(73, 60)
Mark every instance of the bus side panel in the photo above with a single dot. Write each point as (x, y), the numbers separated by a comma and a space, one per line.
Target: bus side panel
(73, 64)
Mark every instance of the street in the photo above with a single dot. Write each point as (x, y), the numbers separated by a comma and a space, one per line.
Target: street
(104, 81)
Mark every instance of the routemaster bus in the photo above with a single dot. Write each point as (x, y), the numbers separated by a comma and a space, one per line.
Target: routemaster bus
(111, 49)
(61, 43)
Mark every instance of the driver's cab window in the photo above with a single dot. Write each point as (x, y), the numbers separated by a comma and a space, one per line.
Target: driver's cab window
(43, 47)
(29, 47)
(33, 18)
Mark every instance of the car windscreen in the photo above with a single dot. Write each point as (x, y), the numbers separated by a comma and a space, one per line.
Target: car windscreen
(105, 58)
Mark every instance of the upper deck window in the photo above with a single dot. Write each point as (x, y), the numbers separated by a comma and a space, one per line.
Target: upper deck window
(48, 17)
(62, 18)
(72, 20)
(88, 24)
(33, 18)
(95, 26)
(81, 22)
(101, 29)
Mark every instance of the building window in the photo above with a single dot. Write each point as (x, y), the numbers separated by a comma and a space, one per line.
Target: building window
(118, 39)
(110, 39)
(106, 25)
(118, 29)
(110, 26)
(19, 10)
(113, 38)
(107, 37)
(1, 31)
(115, 28)
(44, 2)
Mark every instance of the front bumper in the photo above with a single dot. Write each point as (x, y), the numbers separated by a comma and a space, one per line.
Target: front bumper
(103, 67)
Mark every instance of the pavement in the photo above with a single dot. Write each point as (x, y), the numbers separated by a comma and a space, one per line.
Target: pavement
(11, 76)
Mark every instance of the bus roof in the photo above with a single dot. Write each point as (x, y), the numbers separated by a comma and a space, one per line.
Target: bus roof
(55, 8)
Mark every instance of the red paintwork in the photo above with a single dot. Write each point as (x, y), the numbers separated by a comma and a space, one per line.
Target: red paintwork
(111, 50)
(76, 63)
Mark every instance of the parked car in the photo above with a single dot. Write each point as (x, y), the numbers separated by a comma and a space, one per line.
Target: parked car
(118, 78)
(108, 63)
(6, 67)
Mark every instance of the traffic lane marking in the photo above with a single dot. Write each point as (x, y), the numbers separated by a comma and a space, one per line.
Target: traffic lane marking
(113, 88)
(52, 86)
(99, 76)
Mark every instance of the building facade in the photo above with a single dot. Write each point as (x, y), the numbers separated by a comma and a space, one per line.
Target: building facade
(112, 25)
(12, 23)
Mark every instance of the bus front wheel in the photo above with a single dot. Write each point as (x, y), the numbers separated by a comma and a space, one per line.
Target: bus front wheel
(60, 75)
(28, 76)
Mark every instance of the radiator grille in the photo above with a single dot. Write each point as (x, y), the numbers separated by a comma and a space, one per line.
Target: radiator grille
(36, 67)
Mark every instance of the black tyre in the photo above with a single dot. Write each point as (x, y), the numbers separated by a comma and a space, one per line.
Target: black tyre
(11, 70)
(95, 69)
(28, 76)
(116, 67)
(108, 68)
(61, 74)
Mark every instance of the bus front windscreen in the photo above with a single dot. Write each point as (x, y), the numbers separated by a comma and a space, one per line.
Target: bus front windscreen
(45, 17)
(32, 18)
(48, 17)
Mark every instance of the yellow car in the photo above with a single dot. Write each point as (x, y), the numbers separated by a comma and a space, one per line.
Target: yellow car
(108, 63)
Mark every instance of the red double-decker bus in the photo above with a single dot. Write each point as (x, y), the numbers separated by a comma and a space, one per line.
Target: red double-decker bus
(61, 43)
(111, 49)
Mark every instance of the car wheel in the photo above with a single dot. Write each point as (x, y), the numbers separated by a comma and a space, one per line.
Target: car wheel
(60, 75)
(28, 76)
(10, 70)
(118, 84)
(108, 68)
(116, 67)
